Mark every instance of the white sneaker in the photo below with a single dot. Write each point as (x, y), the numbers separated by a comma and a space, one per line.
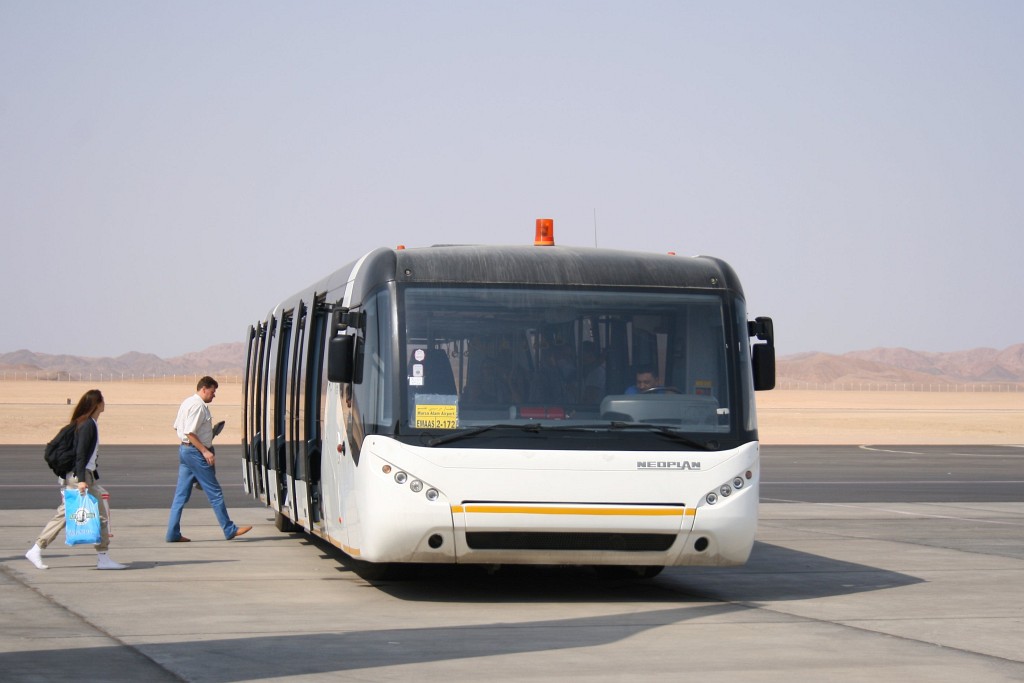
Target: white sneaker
(103, 561)
(35, 556)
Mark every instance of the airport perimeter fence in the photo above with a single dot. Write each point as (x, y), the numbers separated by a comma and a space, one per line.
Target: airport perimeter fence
(43, 376)
(969, 387)
(783, 385)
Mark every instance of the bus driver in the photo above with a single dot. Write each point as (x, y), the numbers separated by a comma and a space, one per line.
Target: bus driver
(647, 380)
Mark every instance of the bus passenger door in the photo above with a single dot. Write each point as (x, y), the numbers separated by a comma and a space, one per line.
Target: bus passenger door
(259, 431)
(283, 412)
(248, 405)
(311, 426)
(296, 506)
(368, 403)
(278, 413)
(334, 464)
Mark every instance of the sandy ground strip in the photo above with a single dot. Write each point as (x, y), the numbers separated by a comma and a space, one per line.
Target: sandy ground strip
(896, 417)
(142, 412)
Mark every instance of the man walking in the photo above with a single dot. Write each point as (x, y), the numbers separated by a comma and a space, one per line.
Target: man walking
(194, 426)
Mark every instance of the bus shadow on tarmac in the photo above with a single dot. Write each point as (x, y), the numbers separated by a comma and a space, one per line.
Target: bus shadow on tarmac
(773, 573)
(303, 654)
(678, 596)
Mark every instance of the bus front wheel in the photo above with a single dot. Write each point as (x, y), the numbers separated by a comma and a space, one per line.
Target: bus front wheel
(620, 572)
(282, 523)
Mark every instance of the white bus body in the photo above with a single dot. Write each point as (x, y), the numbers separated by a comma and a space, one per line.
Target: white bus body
(468, 422)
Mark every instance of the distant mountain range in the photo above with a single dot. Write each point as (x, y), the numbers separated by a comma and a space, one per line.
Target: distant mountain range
(880, 366)
(221, 359)
(903, 366)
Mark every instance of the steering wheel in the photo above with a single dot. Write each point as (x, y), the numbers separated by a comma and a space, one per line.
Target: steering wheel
(661, 390)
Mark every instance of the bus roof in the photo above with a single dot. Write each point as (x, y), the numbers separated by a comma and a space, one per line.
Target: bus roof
(560, 266)
(527, 266)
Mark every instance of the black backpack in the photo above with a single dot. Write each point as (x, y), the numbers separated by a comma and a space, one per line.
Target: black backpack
(60, 452)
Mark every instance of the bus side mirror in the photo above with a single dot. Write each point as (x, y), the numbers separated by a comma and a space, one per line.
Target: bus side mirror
(339, 358)
(762, 356)
(763, 361)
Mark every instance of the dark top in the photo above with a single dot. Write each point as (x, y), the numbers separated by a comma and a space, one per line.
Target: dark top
(86, 436)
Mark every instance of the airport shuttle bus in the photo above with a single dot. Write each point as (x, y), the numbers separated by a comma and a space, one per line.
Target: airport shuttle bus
(481, 404)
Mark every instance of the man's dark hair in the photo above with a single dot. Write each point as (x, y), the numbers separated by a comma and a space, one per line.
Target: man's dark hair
(205, 382)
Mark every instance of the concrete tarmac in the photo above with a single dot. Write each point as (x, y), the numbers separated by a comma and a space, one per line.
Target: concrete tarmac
(145, 476)
(838, 592)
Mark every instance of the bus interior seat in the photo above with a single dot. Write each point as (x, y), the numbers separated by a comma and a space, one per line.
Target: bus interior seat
(437, 374)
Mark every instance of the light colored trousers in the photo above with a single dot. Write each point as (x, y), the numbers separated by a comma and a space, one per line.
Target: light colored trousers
(56, 524)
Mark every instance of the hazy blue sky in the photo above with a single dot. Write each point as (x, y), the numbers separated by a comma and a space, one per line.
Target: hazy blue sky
(169, 170)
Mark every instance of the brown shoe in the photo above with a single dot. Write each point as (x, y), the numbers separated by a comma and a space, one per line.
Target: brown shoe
(241, 530)
(182, 539)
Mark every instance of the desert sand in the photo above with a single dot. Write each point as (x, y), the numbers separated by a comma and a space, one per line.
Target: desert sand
(890, 417)
(137, 413)
(141, 413)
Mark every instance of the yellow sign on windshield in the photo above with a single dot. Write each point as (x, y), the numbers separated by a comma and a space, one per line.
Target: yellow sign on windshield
(437, 416)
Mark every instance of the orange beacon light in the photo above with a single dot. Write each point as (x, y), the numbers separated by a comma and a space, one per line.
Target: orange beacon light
(545, 233)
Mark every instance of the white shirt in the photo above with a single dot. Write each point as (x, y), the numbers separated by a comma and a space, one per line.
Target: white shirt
(194, 417)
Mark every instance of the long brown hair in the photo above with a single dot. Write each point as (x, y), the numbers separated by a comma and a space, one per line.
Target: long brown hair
(86, 406)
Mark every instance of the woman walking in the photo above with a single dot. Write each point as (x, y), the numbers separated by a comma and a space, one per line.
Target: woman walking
(83, 476)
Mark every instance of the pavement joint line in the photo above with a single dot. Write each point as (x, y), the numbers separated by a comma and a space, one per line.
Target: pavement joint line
(761, 607)
(918, 515)
(107, 485)
(944, 482)
(16, 577)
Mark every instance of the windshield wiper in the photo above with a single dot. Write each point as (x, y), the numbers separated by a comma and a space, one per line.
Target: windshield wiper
(456, 436)
(535, 427)
(673, 434)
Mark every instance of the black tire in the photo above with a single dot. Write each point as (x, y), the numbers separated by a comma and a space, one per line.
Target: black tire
(282, 523)
(382, 571)
(627, 572)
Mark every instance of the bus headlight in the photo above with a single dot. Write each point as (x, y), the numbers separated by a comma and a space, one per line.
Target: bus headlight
(727, 489)
(415, 485)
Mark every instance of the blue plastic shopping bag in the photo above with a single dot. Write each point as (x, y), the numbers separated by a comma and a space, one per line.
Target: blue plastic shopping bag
(81, 517)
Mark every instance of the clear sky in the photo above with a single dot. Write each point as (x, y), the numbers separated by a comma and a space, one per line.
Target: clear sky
(170, 170)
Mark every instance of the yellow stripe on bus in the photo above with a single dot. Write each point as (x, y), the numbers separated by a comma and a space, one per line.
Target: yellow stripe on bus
(535, 510)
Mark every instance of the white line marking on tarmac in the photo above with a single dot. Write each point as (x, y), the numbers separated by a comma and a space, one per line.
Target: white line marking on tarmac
(967, 455)
(882, 450)
(888, 482)
(113, 486)
(900, 512)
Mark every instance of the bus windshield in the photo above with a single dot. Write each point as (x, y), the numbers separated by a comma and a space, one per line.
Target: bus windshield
(479, 357)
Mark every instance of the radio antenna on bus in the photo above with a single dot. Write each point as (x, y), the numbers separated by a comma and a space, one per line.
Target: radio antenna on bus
(595, 228)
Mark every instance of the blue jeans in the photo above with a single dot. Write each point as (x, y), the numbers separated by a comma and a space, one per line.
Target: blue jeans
(192, 467)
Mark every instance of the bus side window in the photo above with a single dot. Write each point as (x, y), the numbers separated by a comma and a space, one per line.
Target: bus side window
(371, 394)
